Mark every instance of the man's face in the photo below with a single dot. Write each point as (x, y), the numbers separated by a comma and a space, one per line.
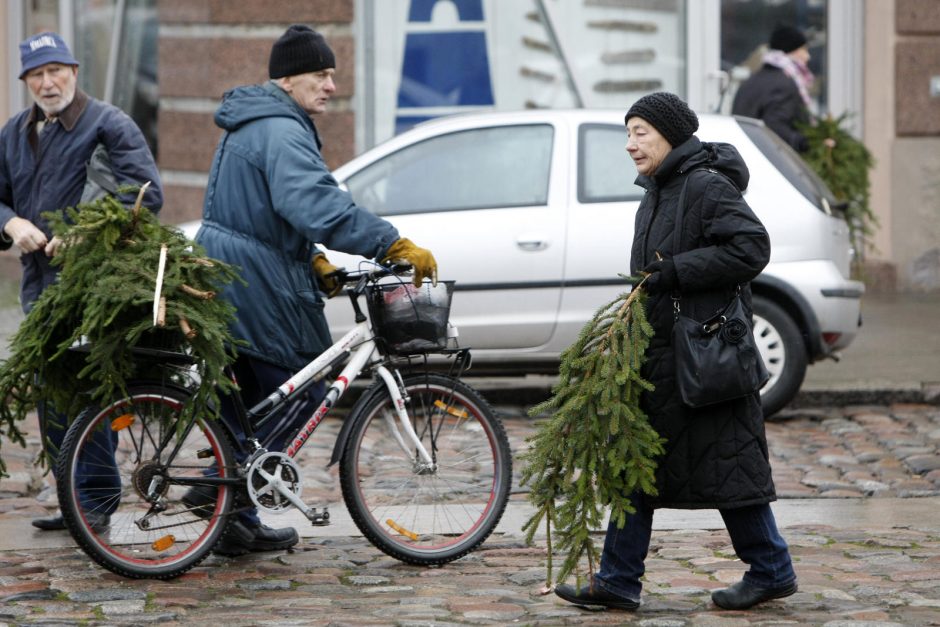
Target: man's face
(312, 91)
(52, 86)
(647, 147)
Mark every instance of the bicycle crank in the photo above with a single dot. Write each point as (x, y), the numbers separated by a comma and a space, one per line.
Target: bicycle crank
(274, 486)
(274, 483)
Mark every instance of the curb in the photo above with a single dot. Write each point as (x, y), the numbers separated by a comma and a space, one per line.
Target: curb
(498, 393)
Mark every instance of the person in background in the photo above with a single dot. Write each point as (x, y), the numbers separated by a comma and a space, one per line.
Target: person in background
(715, 457)
(43, 155)
(779, 92)
(271, 198)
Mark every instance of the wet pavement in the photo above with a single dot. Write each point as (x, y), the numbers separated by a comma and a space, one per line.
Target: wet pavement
(856, 461)
(859, 504)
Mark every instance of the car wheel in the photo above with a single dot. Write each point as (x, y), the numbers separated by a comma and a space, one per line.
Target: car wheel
(781, 345)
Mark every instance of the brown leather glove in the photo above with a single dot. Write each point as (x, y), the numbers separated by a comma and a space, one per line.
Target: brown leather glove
(326, 275)
(420, 259)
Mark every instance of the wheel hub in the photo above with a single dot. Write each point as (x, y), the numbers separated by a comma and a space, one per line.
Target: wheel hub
(142, 480)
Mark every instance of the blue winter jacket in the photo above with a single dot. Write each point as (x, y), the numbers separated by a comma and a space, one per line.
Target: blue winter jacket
(50, 174)
(270, 197)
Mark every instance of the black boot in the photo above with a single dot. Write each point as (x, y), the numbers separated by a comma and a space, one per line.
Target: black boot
(52, 523)
(202, 500)
(241, 539)
(594, 597)
(743, 595)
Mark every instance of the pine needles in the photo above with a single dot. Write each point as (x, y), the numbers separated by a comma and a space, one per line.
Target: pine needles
(598, 447)
(844, 163)
(103, 300)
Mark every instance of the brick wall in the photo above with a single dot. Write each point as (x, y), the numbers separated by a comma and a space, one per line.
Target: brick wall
(917, 60)
(209, 46)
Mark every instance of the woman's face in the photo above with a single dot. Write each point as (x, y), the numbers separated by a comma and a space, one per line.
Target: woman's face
(801, 55)
(647, 147)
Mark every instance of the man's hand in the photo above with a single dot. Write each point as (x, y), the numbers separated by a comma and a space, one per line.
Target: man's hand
(25, 235)
(326, 274)
(54, 246)
(420, 259)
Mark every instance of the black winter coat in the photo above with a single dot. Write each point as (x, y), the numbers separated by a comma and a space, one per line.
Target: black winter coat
(772, 96)
(716, 456)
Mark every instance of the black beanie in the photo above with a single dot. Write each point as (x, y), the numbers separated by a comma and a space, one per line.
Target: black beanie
(786, 38)
(668, 114)
(298, 51)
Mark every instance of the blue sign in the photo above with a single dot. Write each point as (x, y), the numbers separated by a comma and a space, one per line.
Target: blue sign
(448, 69)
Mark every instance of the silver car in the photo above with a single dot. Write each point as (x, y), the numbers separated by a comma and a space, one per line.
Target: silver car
(532, 214)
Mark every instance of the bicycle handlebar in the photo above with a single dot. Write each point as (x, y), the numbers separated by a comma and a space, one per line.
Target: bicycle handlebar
(361, 278)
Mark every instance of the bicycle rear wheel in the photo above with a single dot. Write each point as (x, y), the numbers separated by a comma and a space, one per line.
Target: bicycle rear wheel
(413, 512)
(118, 486)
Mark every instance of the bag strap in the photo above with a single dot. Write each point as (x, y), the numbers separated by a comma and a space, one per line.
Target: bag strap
(677, 232)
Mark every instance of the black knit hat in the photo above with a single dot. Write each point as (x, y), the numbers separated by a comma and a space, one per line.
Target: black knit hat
(668, 114)
(298, 51)
(786, 38)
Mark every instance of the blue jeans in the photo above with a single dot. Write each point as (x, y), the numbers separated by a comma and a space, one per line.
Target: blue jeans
(753, 532)
(256, 380)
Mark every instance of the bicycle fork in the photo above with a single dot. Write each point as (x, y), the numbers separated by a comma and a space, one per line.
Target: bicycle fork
(425, 464)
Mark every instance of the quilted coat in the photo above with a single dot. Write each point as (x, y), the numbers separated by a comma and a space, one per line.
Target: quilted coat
(716, 456)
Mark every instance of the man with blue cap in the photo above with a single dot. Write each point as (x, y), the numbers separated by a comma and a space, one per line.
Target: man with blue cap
(44, 151)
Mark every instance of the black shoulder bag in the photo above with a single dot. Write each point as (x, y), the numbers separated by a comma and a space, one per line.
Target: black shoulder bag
(717, 359)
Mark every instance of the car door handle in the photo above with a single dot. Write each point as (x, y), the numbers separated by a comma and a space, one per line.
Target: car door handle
(531, 243)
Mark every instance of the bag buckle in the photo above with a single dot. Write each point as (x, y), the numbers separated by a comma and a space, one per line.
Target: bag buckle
(710, 326)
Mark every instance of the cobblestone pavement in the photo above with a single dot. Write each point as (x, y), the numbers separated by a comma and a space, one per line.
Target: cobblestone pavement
(850, 575)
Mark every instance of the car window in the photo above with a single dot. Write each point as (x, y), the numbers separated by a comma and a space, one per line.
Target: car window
(785, 159)
(605, 170)
(503, 166)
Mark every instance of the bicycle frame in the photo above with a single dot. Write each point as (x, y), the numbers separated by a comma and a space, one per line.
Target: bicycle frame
(358, 346)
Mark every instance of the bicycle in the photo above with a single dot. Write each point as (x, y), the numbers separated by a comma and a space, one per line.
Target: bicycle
(424, 462)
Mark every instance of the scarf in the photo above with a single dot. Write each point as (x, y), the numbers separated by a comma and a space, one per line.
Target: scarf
(800, 74)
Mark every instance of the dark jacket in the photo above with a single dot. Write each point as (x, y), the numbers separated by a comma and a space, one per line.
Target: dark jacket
(270, 198)
(772, 96)
(716, 457)
(48, 173)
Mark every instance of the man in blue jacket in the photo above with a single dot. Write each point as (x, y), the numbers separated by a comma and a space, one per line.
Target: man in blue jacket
(43, 156)
(270, 199)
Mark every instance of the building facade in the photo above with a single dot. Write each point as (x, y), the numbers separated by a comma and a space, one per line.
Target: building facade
(168, 62)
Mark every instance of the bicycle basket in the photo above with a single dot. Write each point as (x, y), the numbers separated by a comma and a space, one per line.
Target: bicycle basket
(410, 319)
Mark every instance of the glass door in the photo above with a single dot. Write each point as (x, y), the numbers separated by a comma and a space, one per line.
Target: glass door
(745, 29)
(115, 42)
(427, 58)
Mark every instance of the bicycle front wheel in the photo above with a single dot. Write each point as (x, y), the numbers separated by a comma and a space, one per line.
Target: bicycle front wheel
(417, 512)
(122, 475)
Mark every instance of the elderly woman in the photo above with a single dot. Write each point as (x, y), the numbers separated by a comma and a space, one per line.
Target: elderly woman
(716, 456)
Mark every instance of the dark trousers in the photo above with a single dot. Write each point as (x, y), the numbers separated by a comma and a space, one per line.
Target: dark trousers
(256, 380)
(753, 532)
(96, 477)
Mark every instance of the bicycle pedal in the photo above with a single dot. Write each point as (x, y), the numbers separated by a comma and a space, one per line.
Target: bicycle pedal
(319, 519)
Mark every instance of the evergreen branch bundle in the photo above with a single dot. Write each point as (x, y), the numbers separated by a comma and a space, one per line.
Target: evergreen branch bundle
(844, 163)
(597, 448)
(103, 301)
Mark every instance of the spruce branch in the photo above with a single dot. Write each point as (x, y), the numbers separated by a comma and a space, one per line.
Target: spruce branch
(596, 447)
(844, 163)
(75, 347)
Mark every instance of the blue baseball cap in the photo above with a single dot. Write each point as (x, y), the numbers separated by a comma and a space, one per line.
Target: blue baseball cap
(44, 48)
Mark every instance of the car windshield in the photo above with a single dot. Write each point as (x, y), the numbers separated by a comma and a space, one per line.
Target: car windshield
(789, 162)
(500, 166)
